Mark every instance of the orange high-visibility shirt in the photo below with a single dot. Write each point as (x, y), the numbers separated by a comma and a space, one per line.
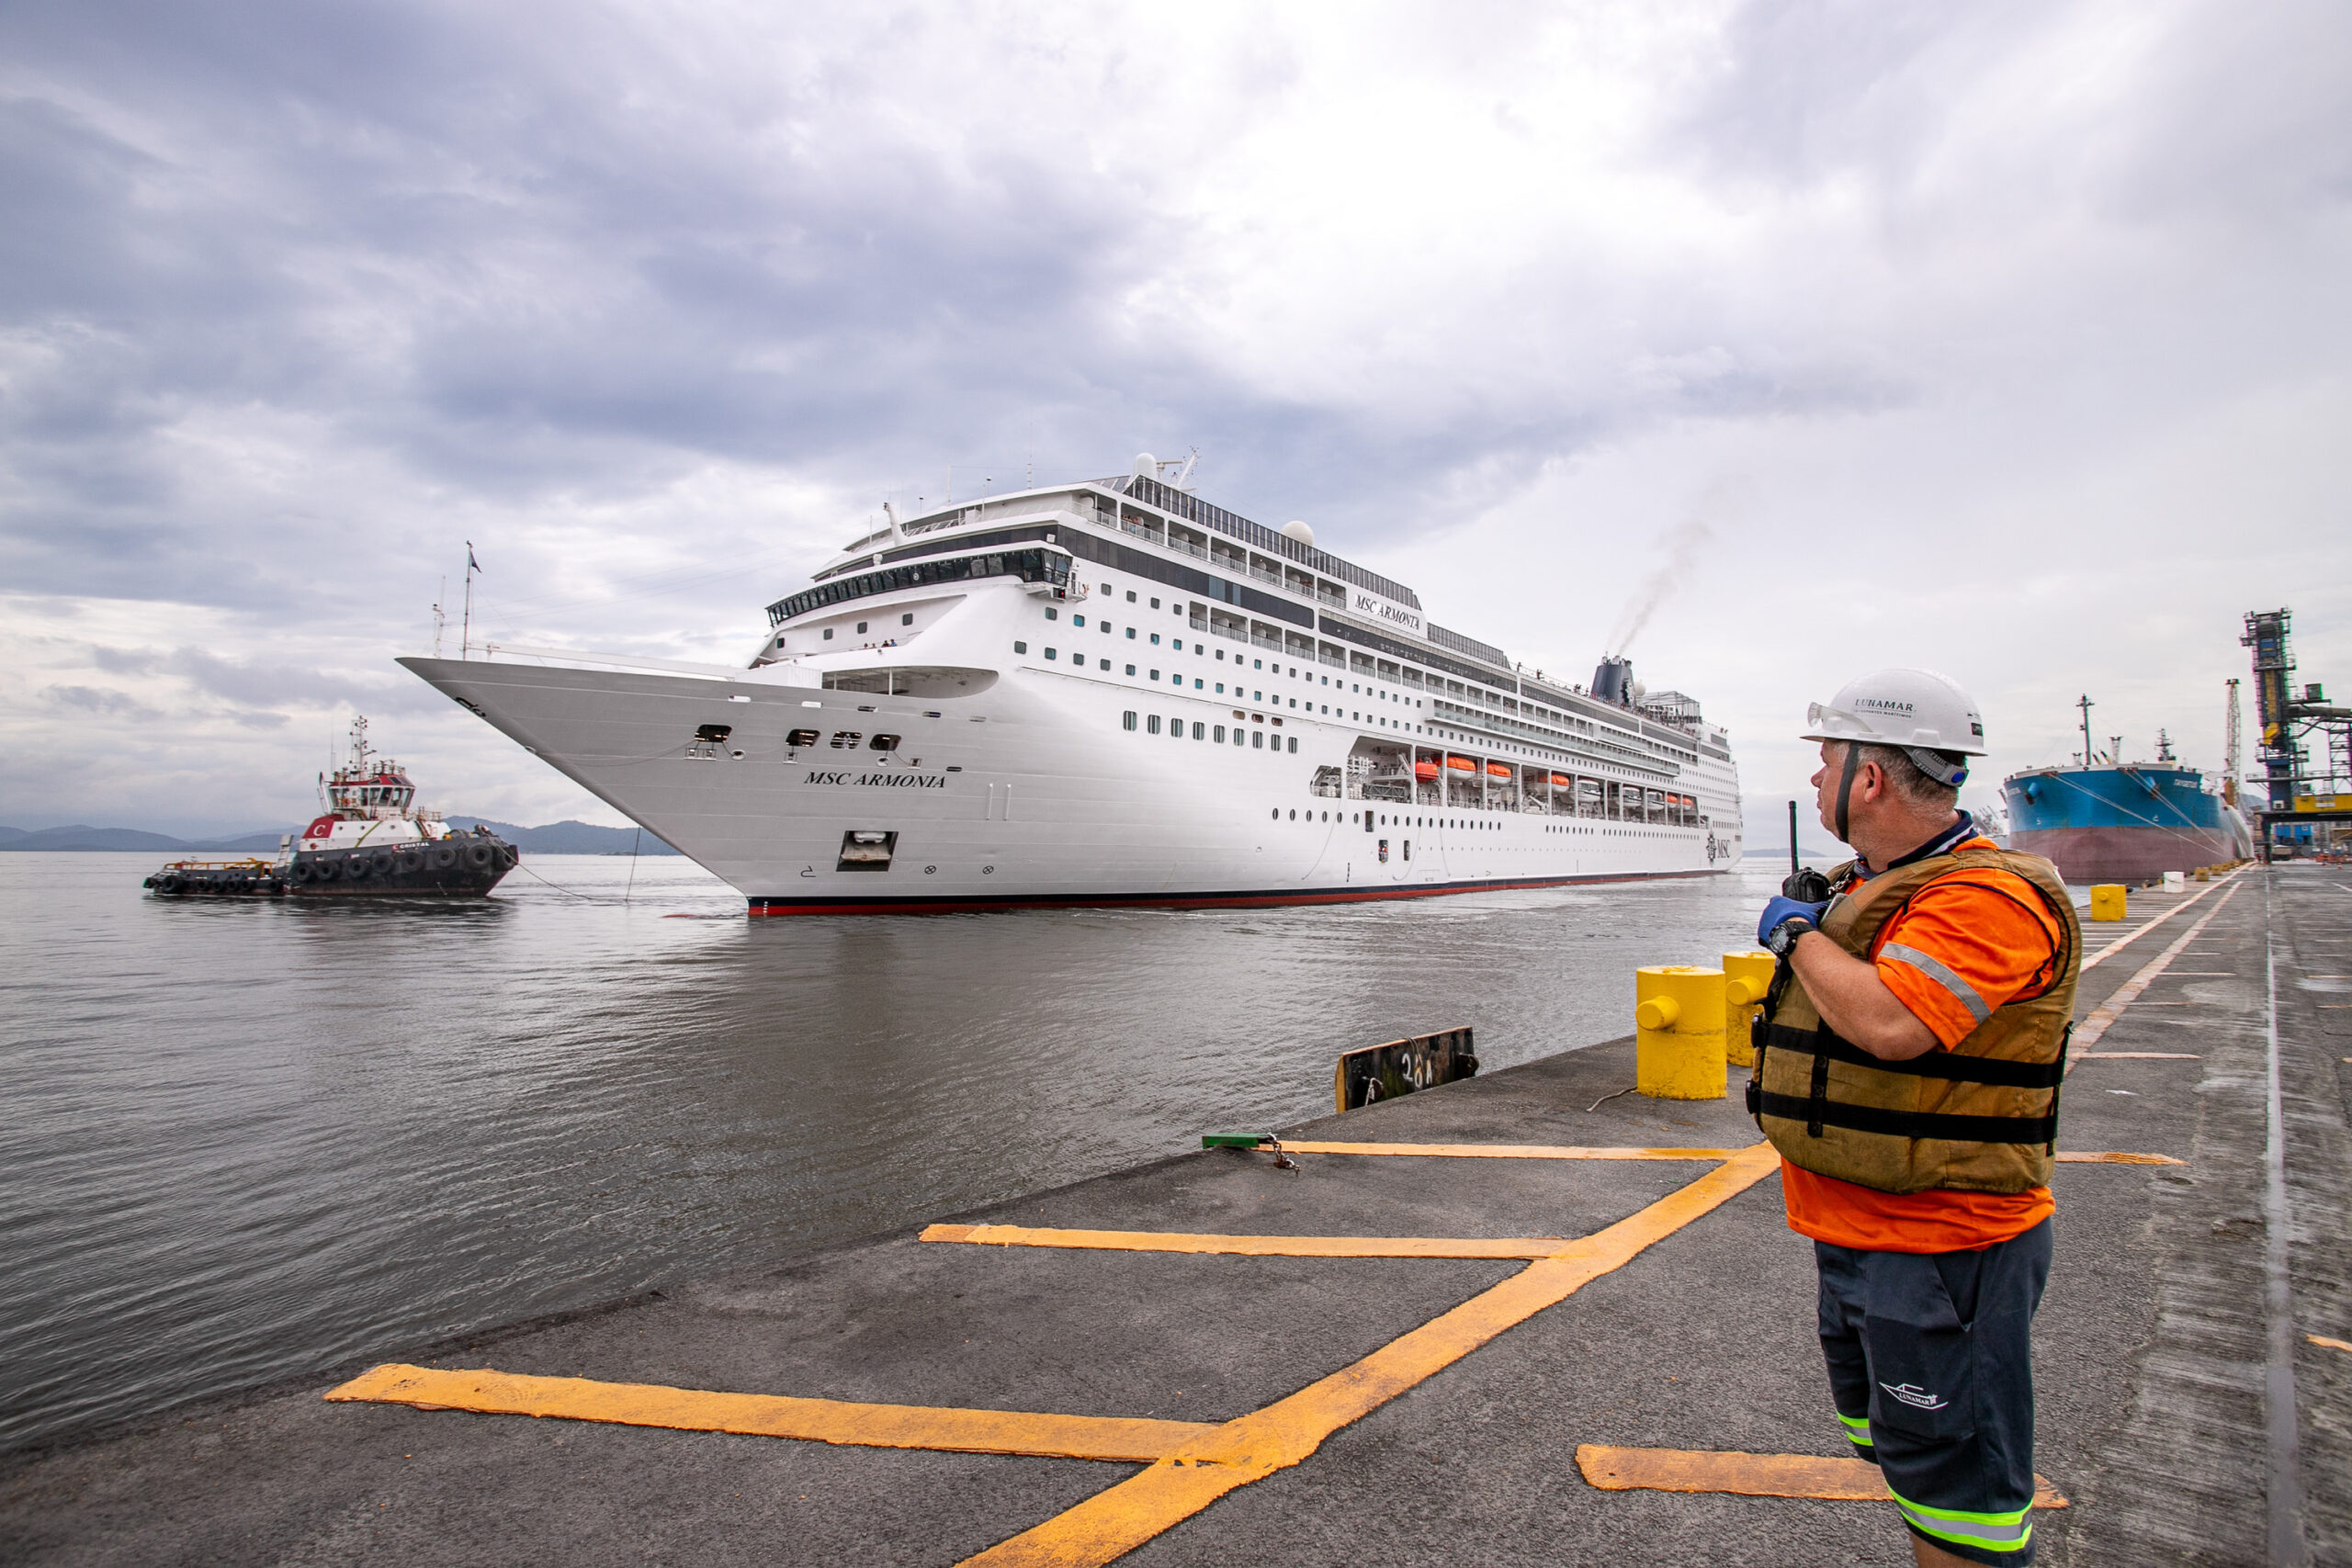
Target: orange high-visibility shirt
(1967, 943)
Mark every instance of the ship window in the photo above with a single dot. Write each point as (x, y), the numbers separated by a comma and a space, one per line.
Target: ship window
(1128, 719)
(844, 739)
(1154, 640)
(1277, 814)
(884, 743)
(1151, 726)
(1220, 687)
(1237, 735)
(798, 737)
(1178, 644)
(1052, 614)
(1196, 731)
(908, 620)
(1131, 596)
(829, 634)
(1131, 669)
(1293, 816)
(1106, 590)
(1131, 632)
(861, 628)
(1020, 647)
(1106, 664)
(1293, 745)
(1258, 738)
(1155, 603)
(1155, 675)
(1078, 620)
(1106, 628)
(1050, 653)
(1219, 736)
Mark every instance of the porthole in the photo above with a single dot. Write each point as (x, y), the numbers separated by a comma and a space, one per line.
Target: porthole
(1020, 647)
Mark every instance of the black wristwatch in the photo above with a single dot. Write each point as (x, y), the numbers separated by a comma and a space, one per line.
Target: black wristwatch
(1783, 937)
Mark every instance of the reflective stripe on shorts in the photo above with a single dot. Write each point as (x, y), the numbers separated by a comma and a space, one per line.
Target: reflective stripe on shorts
(1986, 1532)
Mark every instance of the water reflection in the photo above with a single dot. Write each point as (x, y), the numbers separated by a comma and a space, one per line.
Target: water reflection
(249, 1140)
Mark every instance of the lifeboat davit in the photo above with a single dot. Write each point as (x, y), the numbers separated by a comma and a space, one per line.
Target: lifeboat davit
(1499, 770)
(1424, 770)
(1462, 764)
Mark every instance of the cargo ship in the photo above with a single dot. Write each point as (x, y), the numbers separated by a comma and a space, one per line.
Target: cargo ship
(1112, 692)
(2112, 821)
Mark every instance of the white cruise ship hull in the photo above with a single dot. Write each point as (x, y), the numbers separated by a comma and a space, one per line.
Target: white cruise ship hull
(1040, 759)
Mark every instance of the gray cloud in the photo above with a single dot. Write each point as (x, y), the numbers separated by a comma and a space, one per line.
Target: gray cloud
(295, 299)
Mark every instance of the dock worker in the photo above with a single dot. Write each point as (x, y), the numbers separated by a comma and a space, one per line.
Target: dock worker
(1908, 1068)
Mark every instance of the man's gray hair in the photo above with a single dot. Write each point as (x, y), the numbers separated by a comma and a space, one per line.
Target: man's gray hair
(1910, 781)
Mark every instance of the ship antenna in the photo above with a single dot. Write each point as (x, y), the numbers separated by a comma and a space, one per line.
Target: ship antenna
(465, 649)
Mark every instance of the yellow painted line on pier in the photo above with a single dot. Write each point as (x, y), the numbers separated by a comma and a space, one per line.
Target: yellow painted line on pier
(1501, 1151)
(2112, 1157)
(2142, 1055)
(1525, 1248)
(2331, 1344)
(1249, 1447)
(1750, 1475)
(2119, 943)
(772, 1416)
(2086, 1034)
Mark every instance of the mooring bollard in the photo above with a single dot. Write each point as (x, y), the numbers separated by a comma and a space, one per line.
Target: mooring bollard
(2107, 901)
(1678, 1038)
(1746, 978)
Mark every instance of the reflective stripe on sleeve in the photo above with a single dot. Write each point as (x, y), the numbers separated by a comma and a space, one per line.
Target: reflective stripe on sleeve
(1934, 969)
(1987, 1533)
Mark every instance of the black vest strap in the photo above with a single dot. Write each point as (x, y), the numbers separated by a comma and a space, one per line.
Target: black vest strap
(1825, 1046)
(1907, 1124)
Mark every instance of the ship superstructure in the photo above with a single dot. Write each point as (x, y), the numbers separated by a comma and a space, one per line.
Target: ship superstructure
(1114, 692)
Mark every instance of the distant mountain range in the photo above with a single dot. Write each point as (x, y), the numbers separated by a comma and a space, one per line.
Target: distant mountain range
(566, 837)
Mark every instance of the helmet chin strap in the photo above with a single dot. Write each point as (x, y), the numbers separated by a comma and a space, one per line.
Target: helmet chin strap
(1846, 787)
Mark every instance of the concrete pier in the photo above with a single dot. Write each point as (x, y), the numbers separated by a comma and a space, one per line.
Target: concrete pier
(1495, 1323)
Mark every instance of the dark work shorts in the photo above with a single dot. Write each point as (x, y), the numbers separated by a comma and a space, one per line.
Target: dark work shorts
(1931, 1368)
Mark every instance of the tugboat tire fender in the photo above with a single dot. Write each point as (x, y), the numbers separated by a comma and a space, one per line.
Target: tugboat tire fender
(298, 871)
(480, 856)
(167, 883)
(444, 857)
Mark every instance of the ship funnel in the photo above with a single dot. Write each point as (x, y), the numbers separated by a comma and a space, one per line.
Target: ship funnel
(1612, 682)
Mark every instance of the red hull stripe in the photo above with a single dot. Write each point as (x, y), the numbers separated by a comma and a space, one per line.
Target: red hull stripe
(984, 905)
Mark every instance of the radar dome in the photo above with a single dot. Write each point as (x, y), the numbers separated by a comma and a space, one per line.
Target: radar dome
(1301, 532)
(1146, 465)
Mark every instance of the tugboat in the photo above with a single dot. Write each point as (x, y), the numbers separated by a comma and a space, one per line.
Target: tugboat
(371, 841)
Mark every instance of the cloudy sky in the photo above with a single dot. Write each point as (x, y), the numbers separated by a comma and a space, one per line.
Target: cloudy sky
(2008, 339)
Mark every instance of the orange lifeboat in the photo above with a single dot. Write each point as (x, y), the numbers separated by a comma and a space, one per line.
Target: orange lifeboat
(1562, 781)
(1462, 764)
(1425, 771)
(1499, 770)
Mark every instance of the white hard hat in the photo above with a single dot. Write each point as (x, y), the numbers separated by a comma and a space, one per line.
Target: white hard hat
(1918, 710)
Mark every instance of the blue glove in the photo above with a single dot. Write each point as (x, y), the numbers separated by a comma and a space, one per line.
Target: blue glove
(1783, 909)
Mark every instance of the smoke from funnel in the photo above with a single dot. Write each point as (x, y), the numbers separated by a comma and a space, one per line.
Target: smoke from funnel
(1682, 546)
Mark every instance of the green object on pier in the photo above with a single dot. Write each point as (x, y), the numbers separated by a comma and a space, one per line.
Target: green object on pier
(1232, 1140)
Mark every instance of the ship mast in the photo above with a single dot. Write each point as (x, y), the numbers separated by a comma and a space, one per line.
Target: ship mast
(2085, 703)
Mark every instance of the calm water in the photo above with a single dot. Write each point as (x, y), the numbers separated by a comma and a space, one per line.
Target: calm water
(243, 1141)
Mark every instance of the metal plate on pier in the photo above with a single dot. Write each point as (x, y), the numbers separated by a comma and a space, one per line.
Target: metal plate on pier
(1383, 1071)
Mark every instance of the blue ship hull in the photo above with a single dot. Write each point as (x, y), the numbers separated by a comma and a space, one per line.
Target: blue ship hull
(2122, 824)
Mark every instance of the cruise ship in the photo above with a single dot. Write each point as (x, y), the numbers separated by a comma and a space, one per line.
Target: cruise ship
(1112, 692)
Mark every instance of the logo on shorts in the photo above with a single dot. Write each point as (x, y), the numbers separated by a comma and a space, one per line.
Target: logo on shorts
(1915, 1396)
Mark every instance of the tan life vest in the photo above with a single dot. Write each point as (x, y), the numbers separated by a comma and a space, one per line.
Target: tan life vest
(1980, 1117)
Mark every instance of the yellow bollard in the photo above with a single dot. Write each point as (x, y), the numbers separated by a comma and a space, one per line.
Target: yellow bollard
(1746, 977)
(2107, 901)
(1678, 1040)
